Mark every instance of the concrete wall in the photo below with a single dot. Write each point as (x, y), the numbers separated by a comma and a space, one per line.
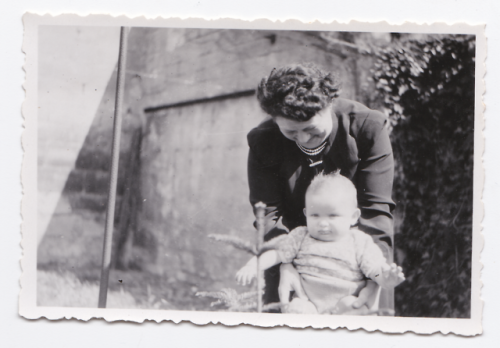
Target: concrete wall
(191, 160)
(193, 183)
(186, 64)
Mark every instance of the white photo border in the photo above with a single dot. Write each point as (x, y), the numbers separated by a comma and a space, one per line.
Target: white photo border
(27, 301)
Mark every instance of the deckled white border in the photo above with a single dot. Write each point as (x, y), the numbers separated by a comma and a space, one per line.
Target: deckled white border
(27, 301)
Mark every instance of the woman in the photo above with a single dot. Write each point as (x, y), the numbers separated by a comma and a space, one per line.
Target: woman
(310, 130)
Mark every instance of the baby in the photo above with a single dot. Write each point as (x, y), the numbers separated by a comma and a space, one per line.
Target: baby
(333, 258)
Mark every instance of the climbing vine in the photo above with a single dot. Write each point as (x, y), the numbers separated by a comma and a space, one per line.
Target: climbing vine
(427, 89)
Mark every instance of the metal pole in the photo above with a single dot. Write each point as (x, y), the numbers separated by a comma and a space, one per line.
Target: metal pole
(115, 155)
(261, 226)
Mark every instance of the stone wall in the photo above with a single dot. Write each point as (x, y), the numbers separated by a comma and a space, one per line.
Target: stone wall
(193, 157)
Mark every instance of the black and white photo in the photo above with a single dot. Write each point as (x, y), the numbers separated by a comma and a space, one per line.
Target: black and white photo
(280, 174)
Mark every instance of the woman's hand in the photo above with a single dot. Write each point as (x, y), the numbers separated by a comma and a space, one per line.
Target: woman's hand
(246, 274)
(289, 281)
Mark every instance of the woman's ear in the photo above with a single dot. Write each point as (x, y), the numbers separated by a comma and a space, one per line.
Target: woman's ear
(355, 216)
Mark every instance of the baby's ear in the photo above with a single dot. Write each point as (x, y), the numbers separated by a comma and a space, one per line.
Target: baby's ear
(305, 213)
(355, 216)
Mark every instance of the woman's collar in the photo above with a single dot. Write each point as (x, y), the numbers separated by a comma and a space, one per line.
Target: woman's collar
(335, 128)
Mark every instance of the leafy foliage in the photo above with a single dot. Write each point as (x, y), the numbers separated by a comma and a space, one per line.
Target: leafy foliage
(235, 242)
(428, 91)
(245, 245)
(244, 302)
(230, 298)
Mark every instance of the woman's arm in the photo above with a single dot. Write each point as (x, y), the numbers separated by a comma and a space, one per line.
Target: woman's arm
(264, 180)
(265, 186)
(374, 180)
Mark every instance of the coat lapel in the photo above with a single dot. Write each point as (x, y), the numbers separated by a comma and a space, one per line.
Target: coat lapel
(344, 151)
(292, 165)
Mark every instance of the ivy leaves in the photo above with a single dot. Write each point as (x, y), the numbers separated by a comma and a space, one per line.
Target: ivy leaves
(427, 90)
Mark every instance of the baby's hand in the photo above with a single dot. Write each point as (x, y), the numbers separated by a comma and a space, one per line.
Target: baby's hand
(246, 274)
(391, 276)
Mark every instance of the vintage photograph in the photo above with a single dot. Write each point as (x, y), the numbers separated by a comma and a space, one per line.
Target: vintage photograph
(315, 176)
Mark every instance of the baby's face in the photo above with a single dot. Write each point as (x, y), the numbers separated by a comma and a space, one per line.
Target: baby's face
(330, 217)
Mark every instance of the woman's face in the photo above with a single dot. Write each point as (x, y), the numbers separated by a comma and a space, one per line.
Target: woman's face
(309, 134)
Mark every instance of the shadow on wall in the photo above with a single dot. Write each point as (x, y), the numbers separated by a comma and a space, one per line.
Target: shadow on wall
(75, 64)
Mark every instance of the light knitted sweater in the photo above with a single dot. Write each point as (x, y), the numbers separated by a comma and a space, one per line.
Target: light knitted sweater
(330, 270)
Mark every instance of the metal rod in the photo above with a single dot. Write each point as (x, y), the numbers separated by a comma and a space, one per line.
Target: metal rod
(115, 155)
(261, 227)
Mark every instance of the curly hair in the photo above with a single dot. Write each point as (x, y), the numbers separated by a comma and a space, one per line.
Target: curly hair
(297, 91)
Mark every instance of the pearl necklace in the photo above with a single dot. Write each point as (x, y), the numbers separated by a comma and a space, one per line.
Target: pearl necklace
(312, 152)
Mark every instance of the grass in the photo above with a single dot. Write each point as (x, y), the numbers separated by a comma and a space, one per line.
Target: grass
(66, 290)
(69, 273)
(136, 290)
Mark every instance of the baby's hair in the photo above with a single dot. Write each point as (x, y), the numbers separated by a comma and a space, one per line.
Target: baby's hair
(324, 181)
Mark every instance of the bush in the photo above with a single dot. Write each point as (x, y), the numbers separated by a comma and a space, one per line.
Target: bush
(428, 91)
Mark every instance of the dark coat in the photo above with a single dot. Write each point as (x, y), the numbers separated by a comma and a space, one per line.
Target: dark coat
(359, 145)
